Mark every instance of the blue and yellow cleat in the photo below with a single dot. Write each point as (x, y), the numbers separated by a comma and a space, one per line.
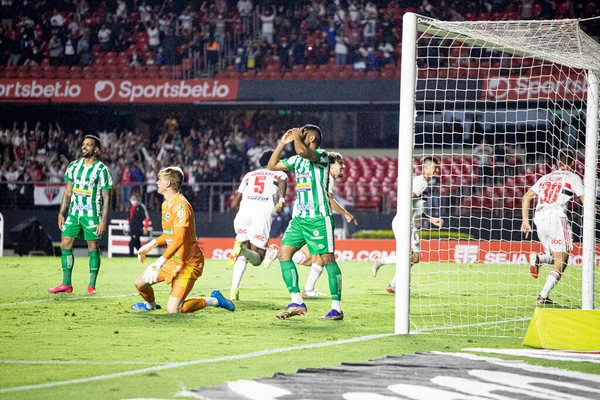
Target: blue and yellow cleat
(143, 306)
(222, 301)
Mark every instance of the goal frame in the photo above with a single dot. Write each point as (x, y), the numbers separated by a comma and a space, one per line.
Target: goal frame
(407, 115)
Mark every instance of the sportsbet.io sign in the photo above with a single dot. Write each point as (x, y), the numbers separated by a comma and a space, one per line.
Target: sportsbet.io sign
(118, 91)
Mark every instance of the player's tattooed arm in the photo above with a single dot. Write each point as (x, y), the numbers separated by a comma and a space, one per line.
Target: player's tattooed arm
(64, 205)
(105, 211)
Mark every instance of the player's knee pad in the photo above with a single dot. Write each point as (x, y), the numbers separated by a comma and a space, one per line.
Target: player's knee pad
(299, 257)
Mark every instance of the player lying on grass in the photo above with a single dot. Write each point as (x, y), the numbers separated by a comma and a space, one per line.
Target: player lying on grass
(183, 261)
(431, 168)
(259, 196)
(554, 192)
(303, 256)
(312, 220)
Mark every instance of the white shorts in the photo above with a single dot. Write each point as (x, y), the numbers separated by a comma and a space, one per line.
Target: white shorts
(415, 241)
(554, 230)
(254, 226)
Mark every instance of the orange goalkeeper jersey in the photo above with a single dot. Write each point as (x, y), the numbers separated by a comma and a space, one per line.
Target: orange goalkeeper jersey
(179, 231)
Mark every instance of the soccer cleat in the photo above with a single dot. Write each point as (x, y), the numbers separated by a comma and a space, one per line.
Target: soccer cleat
(291, 310)
(143, 306)
(333, 315)
(534, 265)
(234, 295)
(61, 289)
(271, 255)
(544, 300)
(390, 289)
(313, 293)
(376, 265)
(235, 253)
(222, 301)
(91, 290)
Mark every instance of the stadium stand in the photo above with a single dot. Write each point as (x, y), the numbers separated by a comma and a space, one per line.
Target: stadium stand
(199, 39)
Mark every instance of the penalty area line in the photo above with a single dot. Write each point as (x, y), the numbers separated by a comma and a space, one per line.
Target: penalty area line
(58, 362)
(194, 362)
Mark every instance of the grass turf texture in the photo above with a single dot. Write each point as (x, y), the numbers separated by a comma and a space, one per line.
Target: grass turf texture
(102, 330)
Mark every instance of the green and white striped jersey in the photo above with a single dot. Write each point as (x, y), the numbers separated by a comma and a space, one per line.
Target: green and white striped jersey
(88, 183)
(312, 184)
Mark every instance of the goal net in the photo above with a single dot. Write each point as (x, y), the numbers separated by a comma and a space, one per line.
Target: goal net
(494, 102)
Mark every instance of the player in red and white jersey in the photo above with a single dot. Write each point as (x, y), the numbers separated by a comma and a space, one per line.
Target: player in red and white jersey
(431, 168)
(259, 196)
(554, 191)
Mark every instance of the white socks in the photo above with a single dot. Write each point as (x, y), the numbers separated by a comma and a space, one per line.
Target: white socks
(252, 256)
(551, 281)
(297, 298)
(315, 272)
(387, 260)
(336, 305)
(238, 271)
(211, 302)
(545, 259)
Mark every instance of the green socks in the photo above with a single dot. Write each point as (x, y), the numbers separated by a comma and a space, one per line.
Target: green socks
(290, 275)
(66, 259)
(334, 276)
(94, 266)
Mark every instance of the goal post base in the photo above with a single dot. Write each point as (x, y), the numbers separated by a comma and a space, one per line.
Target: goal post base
(564, 330)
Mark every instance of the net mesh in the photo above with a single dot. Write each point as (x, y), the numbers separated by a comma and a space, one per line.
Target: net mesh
(495, 101)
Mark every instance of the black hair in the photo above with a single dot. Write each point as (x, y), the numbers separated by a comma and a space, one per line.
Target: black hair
(264, 158)
(430, 159)
(314, 128)
(94, 138)
(565, 157)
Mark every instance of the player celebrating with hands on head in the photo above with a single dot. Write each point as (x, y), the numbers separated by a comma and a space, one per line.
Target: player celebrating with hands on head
(87, 199)
(431, 168)
(312, 219)
(314, 261)
(259, 196)
(183, 261)
(553, 228)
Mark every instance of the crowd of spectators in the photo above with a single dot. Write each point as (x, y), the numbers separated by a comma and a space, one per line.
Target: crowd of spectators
(244, 34)
(219, 147)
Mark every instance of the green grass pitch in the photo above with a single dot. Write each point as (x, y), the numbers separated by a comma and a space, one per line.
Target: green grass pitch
(106, 351)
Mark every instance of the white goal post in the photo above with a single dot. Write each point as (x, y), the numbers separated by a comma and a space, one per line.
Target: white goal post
(528, 86)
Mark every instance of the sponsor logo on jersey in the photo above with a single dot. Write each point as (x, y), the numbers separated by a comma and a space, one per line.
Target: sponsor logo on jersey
(82, 192)
(259, 237)
(259, 198)
(303, 187)
(305, 207)
(241, 231)
(81, 207)
(556, 241)
(168, 231)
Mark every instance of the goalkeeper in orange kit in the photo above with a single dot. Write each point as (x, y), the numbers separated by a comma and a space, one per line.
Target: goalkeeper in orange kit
(183, 261)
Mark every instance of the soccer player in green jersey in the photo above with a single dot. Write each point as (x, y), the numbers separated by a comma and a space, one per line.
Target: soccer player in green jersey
(312, 218)
(85, 204)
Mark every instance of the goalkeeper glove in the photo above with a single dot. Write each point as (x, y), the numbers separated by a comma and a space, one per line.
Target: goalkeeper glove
(145, 249)
(151, 273)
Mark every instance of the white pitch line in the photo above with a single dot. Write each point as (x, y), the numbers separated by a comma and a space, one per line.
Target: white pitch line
(58, 362)
(66, 299)
(194, 362)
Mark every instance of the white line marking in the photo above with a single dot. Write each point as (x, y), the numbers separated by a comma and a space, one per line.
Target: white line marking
(57, 362)
(194, 362)
(451, 328)
(591, 357)
(60, 297)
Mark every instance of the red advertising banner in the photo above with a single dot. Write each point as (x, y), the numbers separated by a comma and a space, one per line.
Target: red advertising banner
(454, 251)
(571, 86)
(135, 91)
